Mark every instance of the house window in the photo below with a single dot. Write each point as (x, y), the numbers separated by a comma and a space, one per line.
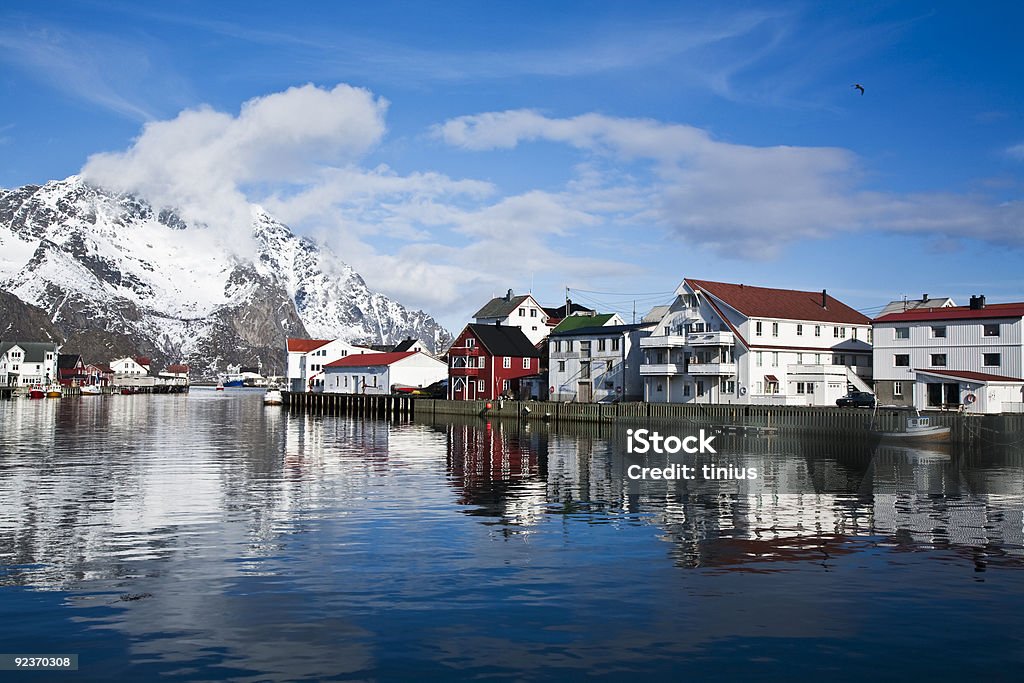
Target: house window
(470, 343)
(615, 344)
(897, 388)
(700, 388)
(686, 389)
(757, 328)
(992, 360)
(799, 387)
(556, 346)
(839, 332)
(585, 370)
(938, 331)
(992, 330)
(775, 359)
(757, 387)
(601, 344)
(533, 312)
(522, 312)
(759, 358)
(561, 366)
(853, 333)
(585, 349)
(901, 360)
(938, 360)
(526, 364)
(871, 336)
(480, 385)
(775, 329)
(504, 385)
(730, 386)
(659, 389)
(901, 332)
(506, 362)
(799, 330)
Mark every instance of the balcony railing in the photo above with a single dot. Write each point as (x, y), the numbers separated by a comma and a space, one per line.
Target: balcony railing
(710, 339)
(663, 369)
(466, 372)
(663, 341)
(725, 369)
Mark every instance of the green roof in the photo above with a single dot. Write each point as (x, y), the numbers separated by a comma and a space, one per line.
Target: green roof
(574, 322)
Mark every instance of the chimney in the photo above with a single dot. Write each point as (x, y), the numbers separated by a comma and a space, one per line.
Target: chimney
(508, 295)
(824, 299)
(924, 298)
(497, 323)
(977, 302)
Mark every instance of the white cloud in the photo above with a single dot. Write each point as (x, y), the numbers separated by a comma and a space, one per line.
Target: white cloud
(1016, 152)
(739, 199)
(204, 162)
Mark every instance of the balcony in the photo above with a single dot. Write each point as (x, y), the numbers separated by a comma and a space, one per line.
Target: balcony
(663, 369)
(724, 369)
(710, 339)
(564, 355)
(466, 372)
(663, 342)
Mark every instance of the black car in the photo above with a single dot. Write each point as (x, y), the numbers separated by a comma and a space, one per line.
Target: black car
(857, 399)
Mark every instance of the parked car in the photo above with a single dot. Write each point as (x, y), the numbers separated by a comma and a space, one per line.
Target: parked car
(857, 399)
(438, 389)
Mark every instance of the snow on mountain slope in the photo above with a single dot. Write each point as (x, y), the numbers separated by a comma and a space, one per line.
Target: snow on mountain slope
(105, 262)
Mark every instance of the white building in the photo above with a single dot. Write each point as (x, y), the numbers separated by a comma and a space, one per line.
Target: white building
(733, 343)
(595, 358)
(380, 373)
(970, 356)
(521, 311)
(27, 363)
(130, 367)
(308, 357)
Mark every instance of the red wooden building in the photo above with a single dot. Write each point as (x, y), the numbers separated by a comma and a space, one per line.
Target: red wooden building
(486, 361)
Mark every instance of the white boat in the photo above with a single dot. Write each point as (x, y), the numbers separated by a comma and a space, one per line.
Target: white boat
(273, 396)
(919, 430)
(91, 390)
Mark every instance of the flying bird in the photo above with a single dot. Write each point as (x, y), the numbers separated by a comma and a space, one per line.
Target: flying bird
(860, 87)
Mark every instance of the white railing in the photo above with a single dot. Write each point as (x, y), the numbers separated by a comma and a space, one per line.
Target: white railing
(662, 369)
(712, 368)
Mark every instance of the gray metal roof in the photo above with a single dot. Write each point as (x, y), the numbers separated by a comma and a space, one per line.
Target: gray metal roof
(35, 352)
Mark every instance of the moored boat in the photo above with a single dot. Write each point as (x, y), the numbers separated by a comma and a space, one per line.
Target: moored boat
(919, 430)
(37, 391)
(220, 386)
(273, 396)
(54, 391)
(91, 390)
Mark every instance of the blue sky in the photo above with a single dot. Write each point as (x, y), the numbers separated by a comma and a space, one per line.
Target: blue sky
(451, 150)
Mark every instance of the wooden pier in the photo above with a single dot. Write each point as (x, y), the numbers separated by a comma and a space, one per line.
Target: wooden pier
(358, 405)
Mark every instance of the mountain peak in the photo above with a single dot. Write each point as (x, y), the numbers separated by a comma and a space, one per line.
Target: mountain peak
(105, 262)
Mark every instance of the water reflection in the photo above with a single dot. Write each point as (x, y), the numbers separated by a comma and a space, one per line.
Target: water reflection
(206, 536)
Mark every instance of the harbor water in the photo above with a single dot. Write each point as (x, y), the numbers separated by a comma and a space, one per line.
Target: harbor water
(205, 536)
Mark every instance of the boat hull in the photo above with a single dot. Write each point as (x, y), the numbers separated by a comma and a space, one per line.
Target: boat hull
(273, 398)
(929, 435)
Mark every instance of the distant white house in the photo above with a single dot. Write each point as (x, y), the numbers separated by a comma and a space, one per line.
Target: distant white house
(307, 359)
(520, 311)
(124, 367)
(27, 363)
(380, 373)
(735, 343)
(969, 357)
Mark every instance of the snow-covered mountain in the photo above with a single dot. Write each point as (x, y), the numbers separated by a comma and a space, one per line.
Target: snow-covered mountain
(118, 276)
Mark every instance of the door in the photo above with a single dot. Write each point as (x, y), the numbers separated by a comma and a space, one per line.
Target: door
(934, 394)
(952, 391)
(584, 394)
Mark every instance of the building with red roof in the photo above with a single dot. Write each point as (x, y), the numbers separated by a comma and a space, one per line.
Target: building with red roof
(382, 373)
(721, 342)
(307, 359)
(957, 357)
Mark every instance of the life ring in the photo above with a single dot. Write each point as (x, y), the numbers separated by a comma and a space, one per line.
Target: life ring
(970, 398)
(743, 391)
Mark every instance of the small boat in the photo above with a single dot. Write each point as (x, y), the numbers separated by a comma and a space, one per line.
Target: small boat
(220, 386)
(37, 391)
(273, 396)
(919, 430)
(54, 391)
(91, 390)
